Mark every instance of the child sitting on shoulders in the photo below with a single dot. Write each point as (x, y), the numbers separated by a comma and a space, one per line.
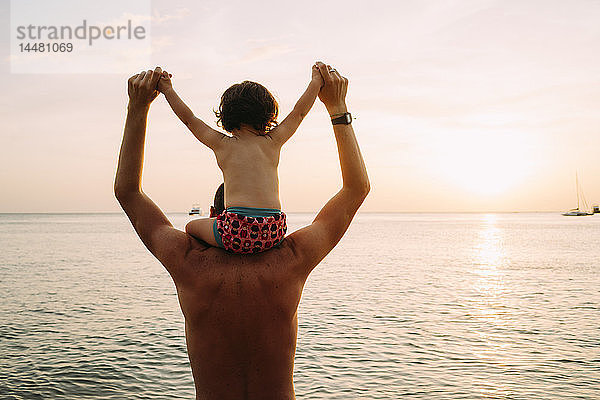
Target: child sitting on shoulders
(252, 220)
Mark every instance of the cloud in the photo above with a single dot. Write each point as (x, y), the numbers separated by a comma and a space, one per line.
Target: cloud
(121, 20)
(162, 42)
(264, 52)
(155, 18)
(179, 13)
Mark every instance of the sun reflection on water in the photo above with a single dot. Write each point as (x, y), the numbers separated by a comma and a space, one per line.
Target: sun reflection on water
(489, 257)
(488, 304)
(489, 251)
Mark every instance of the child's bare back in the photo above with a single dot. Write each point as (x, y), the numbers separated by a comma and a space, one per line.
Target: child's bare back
(253, 220)
(249, 162)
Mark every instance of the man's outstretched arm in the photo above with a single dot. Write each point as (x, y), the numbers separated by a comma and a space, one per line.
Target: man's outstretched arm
(167, 244)
(315, 241)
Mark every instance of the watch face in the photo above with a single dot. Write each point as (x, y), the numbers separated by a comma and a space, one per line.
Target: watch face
(343, 119)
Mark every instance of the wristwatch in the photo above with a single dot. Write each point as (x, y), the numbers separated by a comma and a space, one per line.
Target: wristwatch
(344, 119)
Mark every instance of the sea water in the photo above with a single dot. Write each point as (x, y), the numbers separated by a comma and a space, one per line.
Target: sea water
(421, 306)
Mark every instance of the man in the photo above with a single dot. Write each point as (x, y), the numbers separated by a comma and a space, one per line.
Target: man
(240, 310)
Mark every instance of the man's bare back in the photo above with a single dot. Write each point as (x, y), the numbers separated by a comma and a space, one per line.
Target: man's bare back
(240, 309)
(241, 323)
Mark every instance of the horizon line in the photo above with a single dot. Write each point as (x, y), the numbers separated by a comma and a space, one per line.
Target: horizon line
(305, 212)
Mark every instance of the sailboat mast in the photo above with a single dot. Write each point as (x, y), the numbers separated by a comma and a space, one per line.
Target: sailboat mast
(577, 189)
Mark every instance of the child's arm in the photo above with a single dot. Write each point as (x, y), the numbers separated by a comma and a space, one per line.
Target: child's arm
(204, 133)
(282, 132)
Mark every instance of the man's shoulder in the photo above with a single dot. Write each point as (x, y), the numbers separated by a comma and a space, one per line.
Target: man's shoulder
(299, 250)
(283, 254)
(187, 258)
(201, 261)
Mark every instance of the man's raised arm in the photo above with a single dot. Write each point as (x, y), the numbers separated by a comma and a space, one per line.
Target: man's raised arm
(152, 226)
(315, 241)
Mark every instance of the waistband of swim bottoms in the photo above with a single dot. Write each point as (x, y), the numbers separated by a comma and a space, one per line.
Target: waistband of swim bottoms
(253, 211)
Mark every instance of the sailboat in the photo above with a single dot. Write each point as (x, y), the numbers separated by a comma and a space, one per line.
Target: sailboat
(196, 210)
(577, 212)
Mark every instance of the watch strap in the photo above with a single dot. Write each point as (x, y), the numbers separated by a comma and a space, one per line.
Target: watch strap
(345, 119)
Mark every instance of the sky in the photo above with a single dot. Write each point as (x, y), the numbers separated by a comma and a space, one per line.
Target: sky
(459, 106)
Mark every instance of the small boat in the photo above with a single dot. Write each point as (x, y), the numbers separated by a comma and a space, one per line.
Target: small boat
(577, 212)
(196, 210)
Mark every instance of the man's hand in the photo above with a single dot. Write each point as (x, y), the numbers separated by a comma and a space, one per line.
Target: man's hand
(316, 76)
(142, 87)
(333, 92)
(164, 82)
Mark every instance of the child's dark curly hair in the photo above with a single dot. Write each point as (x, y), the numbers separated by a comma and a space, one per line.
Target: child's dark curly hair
(247, 103)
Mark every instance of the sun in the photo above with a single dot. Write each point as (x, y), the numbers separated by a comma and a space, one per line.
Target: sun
(484, 164)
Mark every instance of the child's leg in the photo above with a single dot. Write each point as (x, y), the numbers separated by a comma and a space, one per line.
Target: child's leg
(202, 229)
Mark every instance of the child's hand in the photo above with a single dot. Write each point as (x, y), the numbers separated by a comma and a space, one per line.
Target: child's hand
(316, 76)
(164, 83)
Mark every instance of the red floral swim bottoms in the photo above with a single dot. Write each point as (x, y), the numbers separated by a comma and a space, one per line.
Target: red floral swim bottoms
(249, 229)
